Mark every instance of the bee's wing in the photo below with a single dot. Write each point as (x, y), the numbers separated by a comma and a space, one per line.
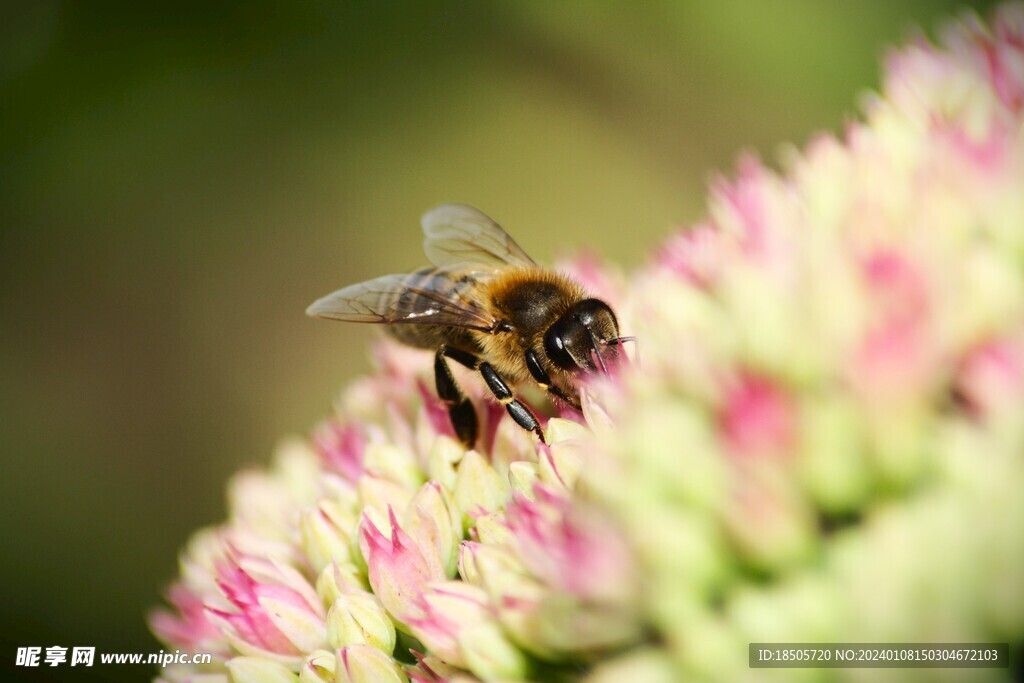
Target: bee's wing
(424, 298)
(456, 233)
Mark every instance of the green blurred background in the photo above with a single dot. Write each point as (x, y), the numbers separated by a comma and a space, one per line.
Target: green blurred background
(179, 180)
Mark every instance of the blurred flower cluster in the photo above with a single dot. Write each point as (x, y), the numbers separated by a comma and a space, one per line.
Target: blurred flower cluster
(822, 440)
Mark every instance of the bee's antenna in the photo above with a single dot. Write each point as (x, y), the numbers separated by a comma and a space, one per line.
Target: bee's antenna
(618, 340)
(597, 351)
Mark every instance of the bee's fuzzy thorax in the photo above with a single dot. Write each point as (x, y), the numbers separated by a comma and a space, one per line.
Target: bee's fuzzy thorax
(530, 299)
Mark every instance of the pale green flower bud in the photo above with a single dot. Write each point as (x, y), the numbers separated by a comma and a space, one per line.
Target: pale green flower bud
(492, 530)
(467, 563)
(259, 670)
(900, 443)
(990, 292)
(512, 443)
(682, 312)
(559, 430)
(597, 417)
(358, 617)
(479, 489)
(297, 467)
(263, 501)
(522, 475)
(512, 591)
(318, 668)
(495, 568)
(708, 648)
(831, 460)
(683, 549)
(366, 664)
(339, 579)
(563, 623)
(326, 533)
(377, 493)
(771, 336)
(518, 599)
(396, 464)
(639, 666)
(803, 608)
(196, 563)
(489, 654)
(259, 504)
(560, 464)
(769, 520)
(659, 439)
(432, 519)
(442, 460)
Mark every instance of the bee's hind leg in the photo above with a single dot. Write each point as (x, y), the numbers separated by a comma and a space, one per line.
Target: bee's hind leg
(460, 410)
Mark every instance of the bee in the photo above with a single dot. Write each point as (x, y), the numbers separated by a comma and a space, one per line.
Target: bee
(486, 305)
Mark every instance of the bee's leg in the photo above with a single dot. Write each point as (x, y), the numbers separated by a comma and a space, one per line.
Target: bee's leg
(460, 410)
(544, 381)
(522, 415)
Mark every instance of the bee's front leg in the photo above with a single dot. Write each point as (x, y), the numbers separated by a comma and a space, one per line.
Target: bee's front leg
(460, 410)
(522, 415)
(540, 376)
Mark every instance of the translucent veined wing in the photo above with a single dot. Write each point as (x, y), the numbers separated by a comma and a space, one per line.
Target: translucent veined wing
(456, 233)
(426, 297)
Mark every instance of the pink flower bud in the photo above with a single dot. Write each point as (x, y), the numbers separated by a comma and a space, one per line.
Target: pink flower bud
(190, 628)
(341, 447)
(898, 350)
(990, 379)
(398, 568)
(456, 623)
(757, 418)
(694, 254)
(432, 669)
(275, 610)
(571, 548)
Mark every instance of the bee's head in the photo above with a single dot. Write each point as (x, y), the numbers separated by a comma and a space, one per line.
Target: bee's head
(584, 338)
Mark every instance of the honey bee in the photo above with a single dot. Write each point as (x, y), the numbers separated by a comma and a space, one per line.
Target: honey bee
(486, 305)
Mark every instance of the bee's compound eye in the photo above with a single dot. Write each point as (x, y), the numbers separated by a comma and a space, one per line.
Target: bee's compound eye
(556, 342)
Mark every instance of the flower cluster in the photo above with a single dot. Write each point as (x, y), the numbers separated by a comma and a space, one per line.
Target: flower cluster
(820, 439)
